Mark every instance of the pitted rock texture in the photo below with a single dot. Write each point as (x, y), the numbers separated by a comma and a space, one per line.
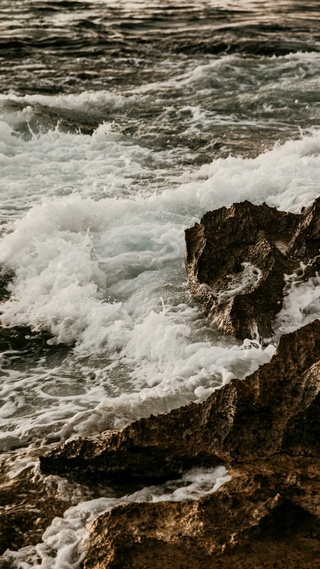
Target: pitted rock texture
(275, 410)
(266, 517)
(237, 259)
(305, 243)
(265, 429)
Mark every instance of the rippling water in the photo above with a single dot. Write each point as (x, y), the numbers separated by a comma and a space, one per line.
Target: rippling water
(121, 123)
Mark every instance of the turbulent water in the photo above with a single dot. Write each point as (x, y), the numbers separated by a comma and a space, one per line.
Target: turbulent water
(121, 124)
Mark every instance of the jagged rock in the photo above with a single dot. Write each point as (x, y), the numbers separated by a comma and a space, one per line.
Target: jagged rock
(236, 259)
(305, 243)
(266, 517)
(265, 429)
(275, 410)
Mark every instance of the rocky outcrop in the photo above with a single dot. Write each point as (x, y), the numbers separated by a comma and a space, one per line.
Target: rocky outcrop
(265, 429)
(268, 517)
(305, 243)
(275, 410)
(237, 259)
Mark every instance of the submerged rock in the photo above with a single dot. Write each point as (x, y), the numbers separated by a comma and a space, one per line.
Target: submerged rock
(237, 259)
(21, 338)
(6, 277)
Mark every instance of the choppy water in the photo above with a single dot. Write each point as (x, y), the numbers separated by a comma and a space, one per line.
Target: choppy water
(121, 123)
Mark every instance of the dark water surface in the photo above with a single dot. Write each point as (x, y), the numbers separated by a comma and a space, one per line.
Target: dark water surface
(160, 50)
(65, 46)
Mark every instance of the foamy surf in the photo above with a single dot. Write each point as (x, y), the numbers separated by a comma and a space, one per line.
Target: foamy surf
(106, 276)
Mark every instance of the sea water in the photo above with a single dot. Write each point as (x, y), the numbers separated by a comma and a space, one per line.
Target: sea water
(105, 160)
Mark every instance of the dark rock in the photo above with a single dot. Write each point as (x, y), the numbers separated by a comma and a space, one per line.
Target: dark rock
(305, 243)
(275, 410)
(6, 277)
(23, 338)
(264, 429)
(237, 258)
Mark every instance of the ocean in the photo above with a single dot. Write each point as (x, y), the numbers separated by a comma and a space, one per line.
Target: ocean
(121, 124)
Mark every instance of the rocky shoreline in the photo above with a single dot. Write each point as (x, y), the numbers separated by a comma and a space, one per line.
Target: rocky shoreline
(265, 429)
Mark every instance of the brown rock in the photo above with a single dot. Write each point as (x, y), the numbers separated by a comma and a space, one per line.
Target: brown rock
(265, 429)
(264, 518)
(236, 260)
(274, 410)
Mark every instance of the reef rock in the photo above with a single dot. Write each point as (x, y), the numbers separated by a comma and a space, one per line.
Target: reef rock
(275, 410)
(237, 259)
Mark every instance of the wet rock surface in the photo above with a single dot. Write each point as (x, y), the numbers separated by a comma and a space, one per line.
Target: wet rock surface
(6, 277)
(22, 338)
(237, 259)
(264, 429)
(305, 243)
(266, 517)
(274, 410)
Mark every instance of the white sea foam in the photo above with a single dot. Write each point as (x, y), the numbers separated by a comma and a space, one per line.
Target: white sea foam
(62, 542)
(60, 164)
(241, 283)
(301, 304)
(107, 275)
(96, 240)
